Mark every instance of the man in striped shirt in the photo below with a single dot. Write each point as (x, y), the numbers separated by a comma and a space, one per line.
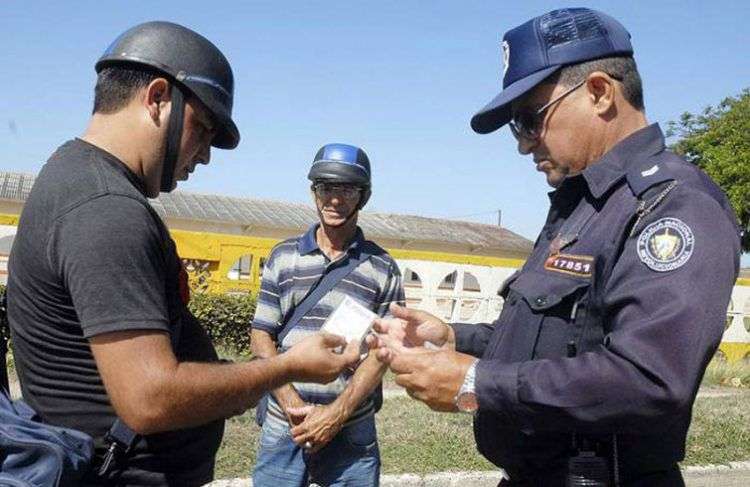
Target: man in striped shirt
(324, 434)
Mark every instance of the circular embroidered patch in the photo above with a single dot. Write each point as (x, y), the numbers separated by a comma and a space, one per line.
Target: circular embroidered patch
(666, 244)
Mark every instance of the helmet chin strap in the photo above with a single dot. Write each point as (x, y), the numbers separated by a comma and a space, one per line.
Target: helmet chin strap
(174, 137)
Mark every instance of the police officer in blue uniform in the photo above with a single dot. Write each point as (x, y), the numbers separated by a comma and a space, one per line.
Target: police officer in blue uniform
(589, 375)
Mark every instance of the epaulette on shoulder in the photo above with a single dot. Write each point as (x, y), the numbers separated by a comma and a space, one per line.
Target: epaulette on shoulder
(651, 186)
(651, 173)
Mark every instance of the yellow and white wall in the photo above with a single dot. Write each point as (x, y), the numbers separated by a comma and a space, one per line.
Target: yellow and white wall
(454, 286)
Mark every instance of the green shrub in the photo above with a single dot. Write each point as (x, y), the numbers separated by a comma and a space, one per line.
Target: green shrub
(227, 319)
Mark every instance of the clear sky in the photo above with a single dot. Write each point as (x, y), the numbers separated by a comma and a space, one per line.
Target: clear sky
(399, 78)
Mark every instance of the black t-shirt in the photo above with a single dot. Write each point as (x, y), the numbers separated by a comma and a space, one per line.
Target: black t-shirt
(90, 257)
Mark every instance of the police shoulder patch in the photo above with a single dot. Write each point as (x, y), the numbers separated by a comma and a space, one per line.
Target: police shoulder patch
(666, 244)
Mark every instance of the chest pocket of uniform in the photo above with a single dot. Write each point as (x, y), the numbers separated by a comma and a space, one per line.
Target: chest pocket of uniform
(549, 322)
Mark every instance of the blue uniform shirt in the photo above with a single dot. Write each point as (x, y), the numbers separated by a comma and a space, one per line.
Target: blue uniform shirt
(609, 325)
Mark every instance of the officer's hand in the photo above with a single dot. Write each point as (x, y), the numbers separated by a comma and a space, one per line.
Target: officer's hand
(433, 377)
(314, 360)
(408, 329)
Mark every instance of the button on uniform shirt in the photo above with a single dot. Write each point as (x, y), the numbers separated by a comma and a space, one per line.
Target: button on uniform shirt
(608, 327)
(297, 264)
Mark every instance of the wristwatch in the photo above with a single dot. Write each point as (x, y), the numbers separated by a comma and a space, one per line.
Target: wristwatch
(466, 399)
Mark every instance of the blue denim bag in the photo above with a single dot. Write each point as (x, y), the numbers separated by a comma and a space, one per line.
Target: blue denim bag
(34, 454)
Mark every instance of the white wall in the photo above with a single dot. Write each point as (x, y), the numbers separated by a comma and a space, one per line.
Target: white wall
(453, 302)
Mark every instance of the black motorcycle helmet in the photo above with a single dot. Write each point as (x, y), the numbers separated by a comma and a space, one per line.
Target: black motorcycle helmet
(195, 67)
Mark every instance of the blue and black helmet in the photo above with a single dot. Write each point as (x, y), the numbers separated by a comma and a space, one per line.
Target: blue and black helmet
(345, 164)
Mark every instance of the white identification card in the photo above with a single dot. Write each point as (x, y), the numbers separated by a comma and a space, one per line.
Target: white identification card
(350, 320)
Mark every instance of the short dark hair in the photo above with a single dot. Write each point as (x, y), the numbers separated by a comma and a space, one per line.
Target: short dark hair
(116, 85)
(622, 68)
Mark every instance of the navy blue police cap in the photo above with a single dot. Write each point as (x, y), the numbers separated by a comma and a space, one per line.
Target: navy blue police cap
(538, 48)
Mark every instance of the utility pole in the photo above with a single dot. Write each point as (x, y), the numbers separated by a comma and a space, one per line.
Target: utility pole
(499, 217)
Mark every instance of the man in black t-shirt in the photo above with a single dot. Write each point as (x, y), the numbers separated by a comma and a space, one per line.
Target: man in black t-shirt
(94, 301)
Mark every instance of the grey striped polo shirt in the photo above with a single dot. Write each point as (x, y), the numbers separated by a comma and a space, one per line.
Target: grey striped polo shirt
(293, 266)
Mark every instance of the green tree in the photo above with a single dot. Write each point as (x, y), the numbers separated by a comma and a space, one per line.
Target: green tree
(718, 140)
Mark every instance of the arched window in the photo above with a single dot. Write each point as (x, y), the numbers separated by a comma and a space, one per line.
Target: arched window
(469, 307)
(449, 281)
(471, 283)
(412, 288)
(411, 278)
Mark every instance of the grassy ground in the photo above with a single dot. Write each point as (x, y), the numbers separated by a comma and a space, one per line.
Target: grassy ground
(414, 439)
(720, 431)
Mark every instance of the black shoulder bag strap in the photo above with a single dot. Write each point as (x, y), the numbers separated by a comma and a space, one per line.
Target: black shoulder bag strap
(325, 283)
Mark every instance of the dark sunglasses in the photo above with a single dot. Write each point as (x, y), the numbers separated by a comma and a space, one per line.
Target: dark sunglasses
(528, 123)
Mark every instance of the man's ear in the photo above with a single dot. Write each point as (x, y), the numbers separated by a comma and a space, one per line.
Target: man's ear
(157, 99)
(601, 91)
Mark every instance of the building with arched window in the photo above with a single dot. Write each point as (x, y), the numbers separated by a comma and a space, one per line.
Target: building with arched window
(454, 269)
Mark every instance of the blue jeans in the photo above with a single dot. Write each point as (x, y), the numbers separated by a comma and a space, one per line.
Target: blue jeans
(351, 459)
